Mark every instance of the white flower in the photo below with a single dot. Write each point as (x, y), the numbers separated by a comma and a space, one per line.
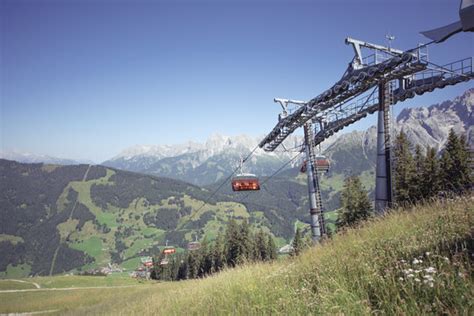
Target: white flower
(416, 261)
(410, 276)
(400, 279)
(428, 277)
(427, 253)
(430, 270)
(446, 259)
(417, 280)
(402, 261)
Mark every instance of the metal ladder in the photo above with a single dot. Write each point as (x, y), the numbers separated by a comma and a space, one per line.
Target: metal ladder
(319, 204)
(388, 130)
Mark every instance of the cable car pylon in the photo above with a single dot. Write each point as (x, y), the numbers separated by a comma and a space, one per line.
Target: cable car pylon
(318, 227)
(369, 84)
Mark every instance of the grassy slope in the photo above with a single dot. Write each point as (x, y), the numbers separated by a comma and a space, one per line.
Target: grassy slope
(358, 272)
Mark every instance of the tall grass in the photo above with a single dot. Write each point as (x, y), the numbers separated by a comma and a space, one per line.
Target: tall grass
(414, 261)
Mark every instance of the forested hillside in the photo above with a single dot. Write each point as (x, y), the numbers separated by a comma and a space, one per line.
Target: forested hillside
(61, 218)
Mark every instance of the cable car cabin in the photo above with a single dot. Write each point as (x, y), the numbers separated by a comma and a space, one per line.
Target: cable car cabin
(169, 250)
(322, 165)
(194, 245)
(245, 182)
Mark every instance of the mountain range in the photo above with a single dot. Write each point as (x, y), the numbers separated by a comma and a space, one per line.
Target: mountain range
(204, 164)
(28, 157)
(58, 218)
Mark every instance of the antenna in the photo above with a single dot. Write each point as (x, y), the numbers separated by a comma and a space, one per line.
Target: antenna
(390, 38)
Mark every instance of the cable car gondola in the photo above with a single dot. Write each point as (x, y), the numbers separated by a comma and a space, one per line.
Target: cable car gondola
(322, 165)
(168, 249)
(194, 245)
(245, 181)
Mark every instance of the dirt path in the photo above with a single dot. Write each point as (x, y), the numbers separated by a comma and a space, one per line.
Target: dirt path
(22, 281)
(32, 313)
(70, 288)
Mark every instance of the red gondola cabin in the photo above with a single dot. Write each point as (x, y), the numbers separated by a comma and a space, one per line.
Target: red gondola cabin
(245, 182)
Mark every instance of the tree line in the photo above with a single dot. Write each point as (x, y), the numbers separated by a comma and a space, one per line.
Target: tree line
(418, 176)
(422, 175)
(237, 245)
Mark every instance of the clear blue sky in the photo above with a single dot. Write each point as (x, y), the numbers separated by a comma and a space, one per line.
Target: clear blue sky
(86, 79)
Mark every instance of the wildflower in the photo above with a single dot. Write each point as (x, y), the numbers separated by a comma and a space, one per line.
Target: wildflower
(402, 261)
(417, 280)
(416, 261)
(430, 270)
(427, 253)
(400, 279)
(410, 276)
(428, 277)
(446, 259)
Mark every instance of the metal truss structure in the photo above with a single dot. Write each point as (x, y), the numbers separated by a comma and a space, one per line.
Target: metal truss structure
(410, 73)
(369, 84)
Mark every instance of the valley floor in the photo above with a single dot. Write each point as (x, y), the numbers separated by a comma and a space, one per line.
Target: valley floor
(413, 261)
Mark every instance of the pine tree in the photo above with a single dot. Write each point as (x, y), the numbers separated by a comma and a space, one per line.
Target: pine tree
(193, 263)
(416, 193)
(430, 178)
(455, 171)
(271, 248)
(404, 169)
(355, 202)
(182, 270)
(246, 243)
(218, 254)
(297, 243)
(205, 264)
(261, 252)
(232, 243)
(464, 165)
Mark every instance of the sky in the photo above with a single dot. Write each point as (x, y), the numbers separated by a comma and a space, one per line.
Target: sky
(86, 79)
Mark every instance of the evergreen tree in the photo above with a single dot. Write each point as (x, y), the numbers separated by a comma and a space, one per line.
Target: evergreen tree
(404, 169)
(193, 263)
(416, 193)
(232, 243)
(464, 164)
(218, 254)
(246, 243)
(430, 177)
(455, 171)
(356, 205)
(182, 270)
(261, 247)
(297, 243)
(205, 266)
(271, 248)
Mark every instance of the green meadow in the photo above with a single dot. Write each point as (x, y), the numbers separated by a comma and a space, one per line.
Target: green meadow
(412, 261)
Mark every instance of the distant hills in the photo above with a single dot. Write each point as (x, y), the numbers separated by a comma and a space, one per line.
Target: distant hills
(27, 157)
(62, 218)
(59, 218)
